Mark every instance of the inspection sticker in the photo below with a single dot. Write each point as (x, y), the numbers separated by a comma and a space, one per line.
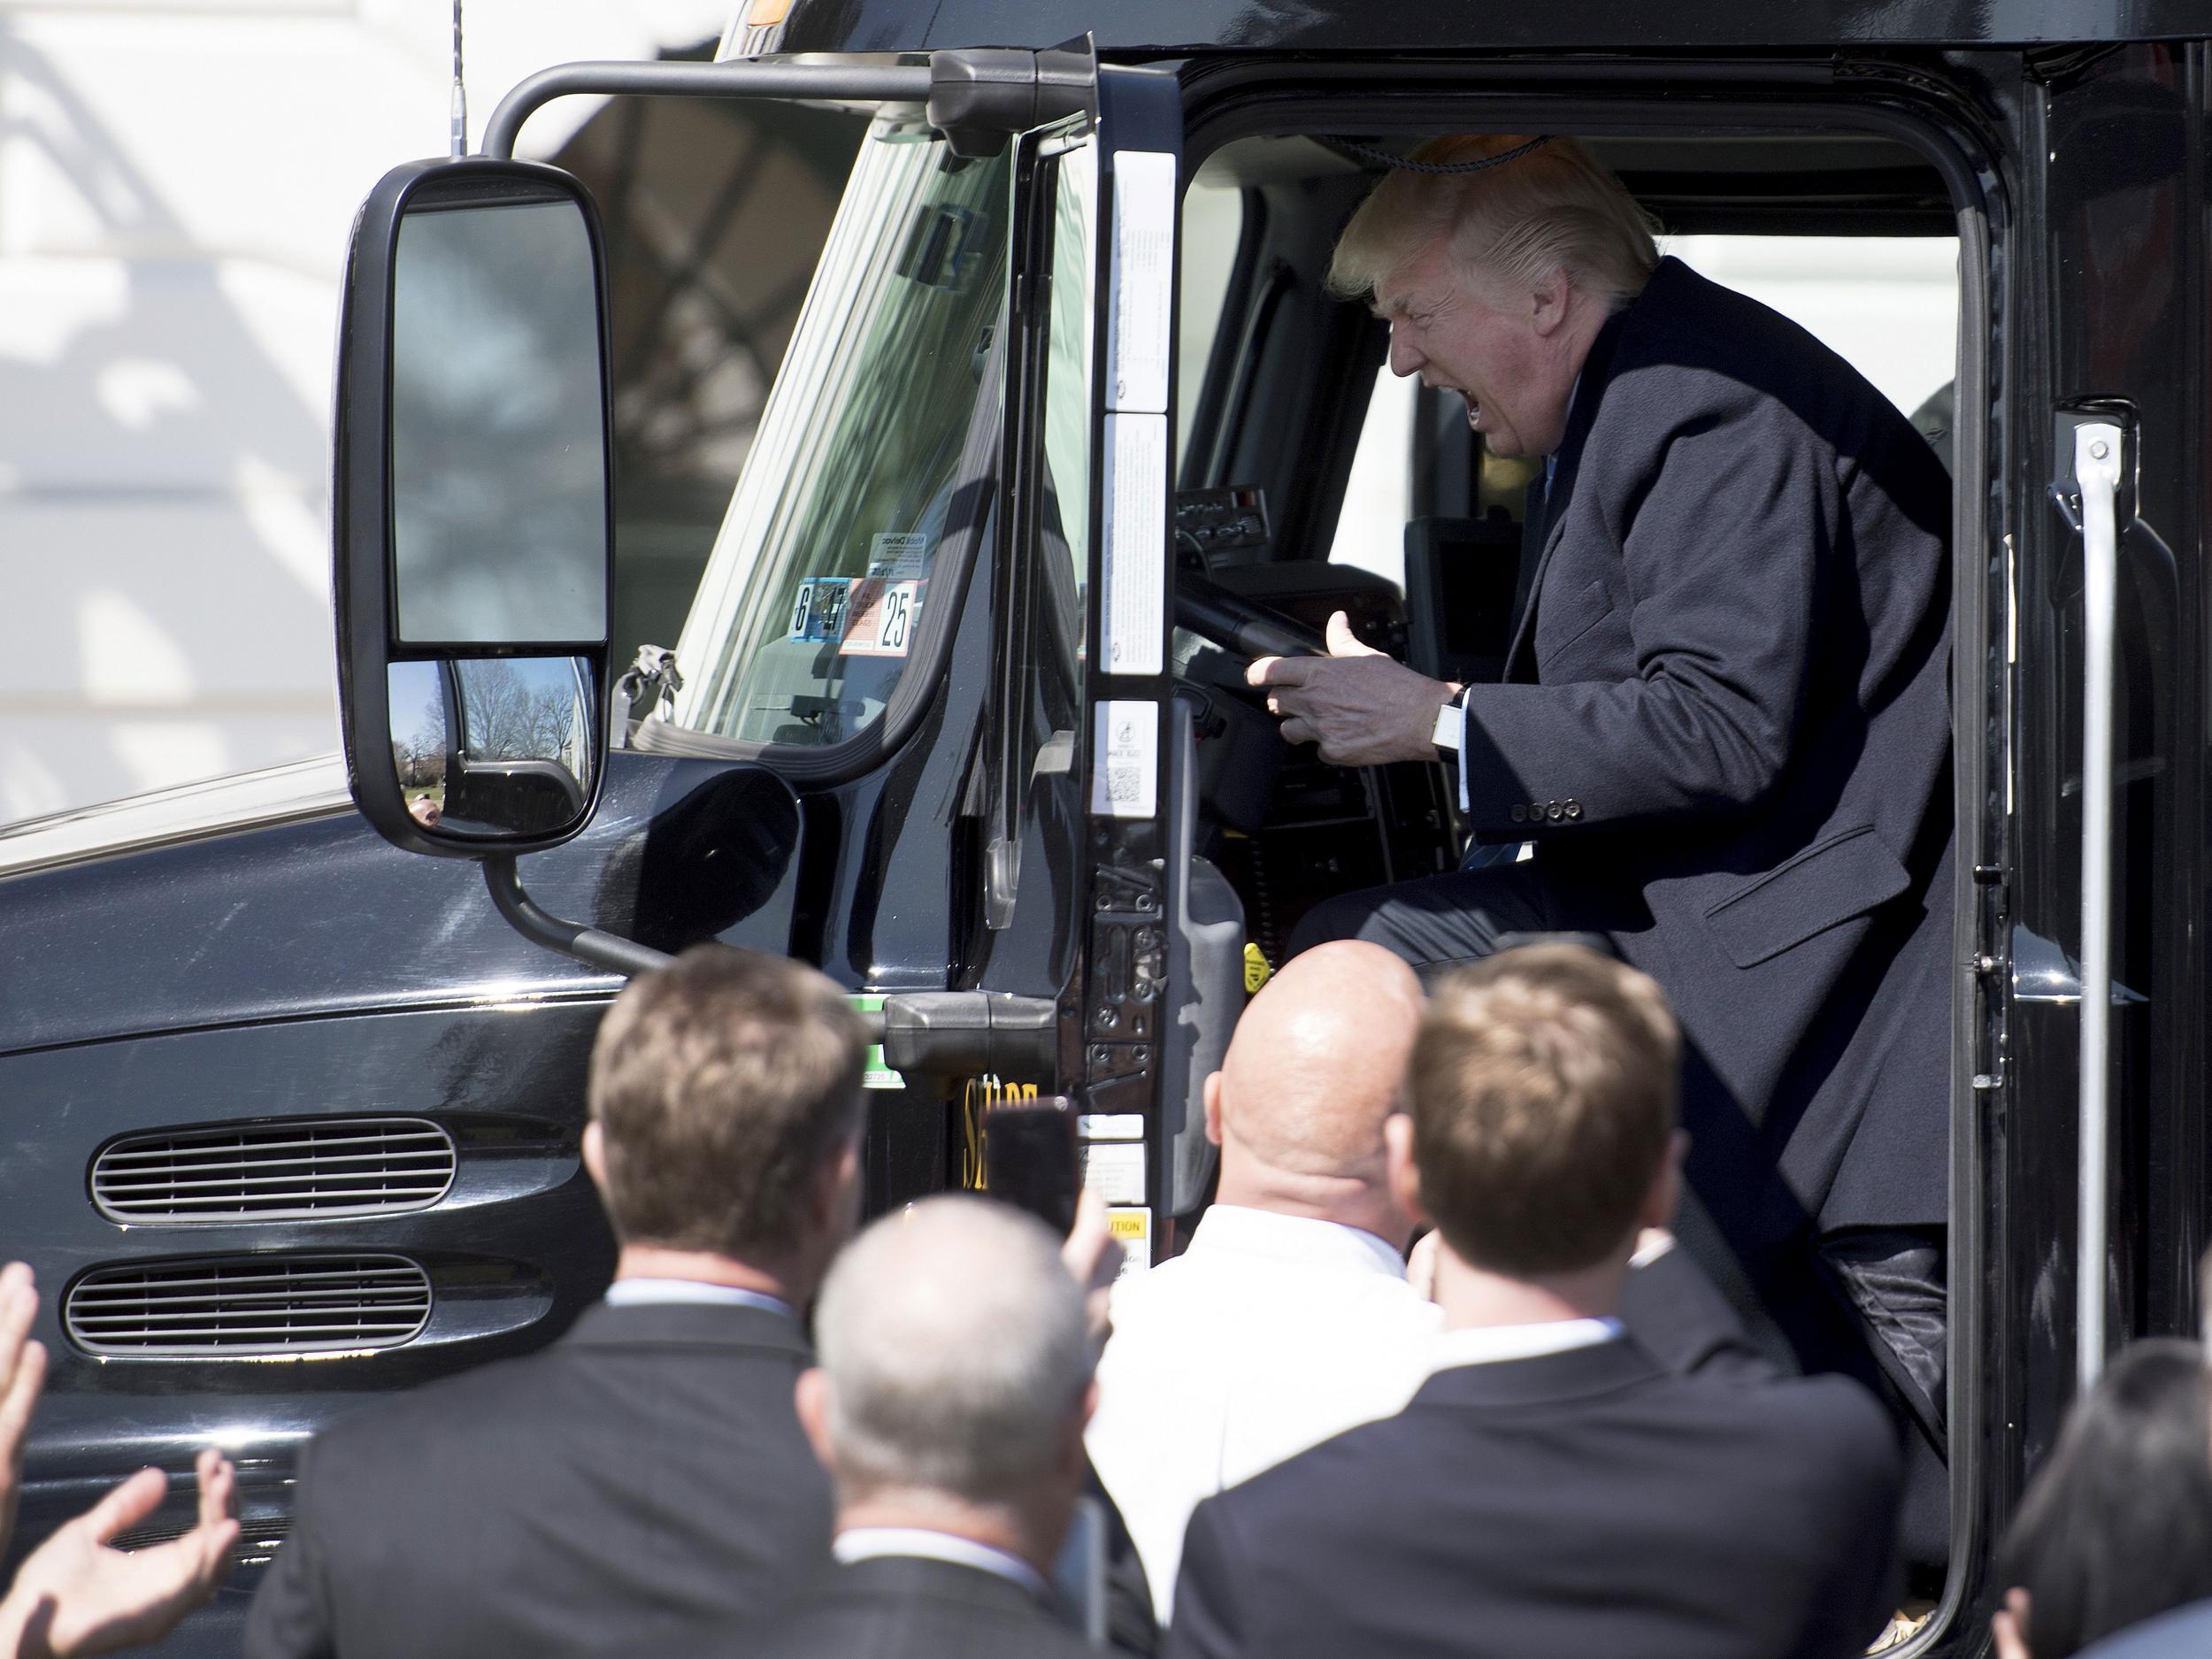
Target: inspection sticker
(1125, 760)
(899, 556)
(884, 615)
(1133, 1228)
(817, 616)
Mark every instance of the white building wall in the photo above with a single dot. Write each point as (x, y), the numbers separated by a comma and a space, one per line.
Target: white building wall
(177, 179)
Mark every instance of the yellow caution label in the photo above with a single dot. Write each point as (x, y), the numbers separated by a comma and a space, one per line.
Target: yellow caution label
(1132, 1227)
(1257, 971)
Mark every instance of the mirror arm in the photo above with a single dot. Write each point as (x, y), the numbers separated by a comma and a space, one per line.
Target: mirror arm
(897, 83)
(572, 939)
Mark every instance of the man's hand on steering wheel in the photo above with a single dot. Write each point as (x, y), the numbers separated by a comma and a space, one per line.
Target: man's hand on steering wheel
(1359, 705)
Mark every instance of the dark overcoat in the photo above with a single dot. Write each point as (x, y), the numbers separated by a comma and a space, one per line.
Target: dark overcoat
(1726, 725)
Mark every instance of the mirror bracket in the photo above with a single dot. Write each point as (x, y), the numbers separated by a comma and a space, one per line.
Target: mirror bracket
(588, 945)
(979, 96)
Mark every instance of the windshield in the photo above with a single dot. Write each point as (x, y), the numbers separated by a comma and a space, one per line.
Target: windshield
(874, 450)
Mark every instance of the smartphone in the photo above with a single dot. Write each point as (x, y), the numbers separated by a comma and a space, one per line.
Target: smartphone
(1031, 1161)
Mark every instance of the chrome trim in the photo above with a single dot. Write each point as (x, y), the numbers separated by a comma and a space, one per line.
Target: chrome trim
(249, 800)
(2097, 469)
(316, 1169)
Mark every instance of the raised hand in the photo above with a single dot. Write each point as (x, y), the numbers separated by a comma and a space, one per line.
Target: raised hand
(2009, 1627)
(22, 1373)
(1093, 1257)
(78, 1596)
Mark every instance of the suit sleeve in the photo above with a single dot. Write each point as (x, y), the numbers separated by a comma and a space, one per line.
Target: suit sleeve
(290, 1616)
(1676, 1312)
(1720, 557)
(1207, 1623)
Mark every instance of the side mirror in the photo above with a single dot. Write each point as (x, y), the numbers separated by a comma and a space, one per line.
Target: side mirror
(472, 523)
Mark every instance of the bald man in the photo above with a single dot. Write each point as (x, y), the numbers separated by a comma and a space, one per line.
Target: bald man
(1288, 1319)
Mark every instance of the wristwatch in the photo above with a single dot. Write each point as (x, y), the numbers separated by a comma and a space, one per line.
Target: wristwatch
(1451, 724)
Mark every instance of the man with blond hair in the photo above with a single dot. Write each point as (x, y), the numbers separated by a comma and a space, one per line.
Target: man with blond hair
(1724, 722)
(642, 1485)
(1552, 1489)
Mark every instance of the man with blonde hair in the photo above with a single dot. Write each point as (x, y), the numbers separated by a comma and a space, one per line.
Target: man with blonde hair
(1724, 721)
(1553, 1488)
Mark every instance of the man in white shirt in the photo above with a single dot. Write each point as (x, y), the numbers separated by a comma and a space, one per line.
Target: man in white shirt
(1288, 1318)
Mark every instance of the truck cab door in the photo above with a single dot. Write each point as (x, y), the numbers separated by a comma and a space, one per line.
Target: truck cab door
(2103, 1176)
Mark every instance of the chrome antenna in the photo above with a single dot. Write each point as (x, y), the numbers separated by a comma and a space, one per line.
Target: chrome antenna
(460, 96)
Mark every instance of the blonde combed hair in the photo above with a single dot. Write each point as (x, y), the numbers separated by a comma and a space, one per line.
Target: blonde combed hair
(1555, 208)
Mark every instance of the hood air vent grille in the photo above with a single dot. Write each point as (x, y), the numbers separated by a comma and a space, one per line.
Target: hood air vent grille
(237, 1307)
(310, 1169)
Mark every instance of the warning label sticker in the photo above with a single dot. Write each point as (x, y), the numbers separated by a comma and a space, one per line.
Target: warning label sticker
(883, 615)
(1116, 1168)
(1133, 1228)
(899, 556)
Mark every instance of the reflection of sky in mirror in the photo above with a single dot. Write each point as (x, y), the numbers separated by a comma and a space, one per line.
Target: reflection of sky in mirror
(418, 712)
(498, 488)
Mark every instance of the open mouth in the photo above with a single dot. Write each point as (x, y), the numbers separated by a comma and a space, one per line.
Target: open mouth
(1474, 409)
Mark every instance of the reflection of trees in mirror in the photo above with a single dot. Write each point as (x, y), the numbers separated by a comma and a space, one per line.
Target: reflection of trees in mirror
(505, 717)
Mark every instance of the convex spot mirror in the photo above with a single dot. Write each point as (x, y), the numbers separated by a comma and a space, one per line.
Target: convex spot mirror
(473, 539)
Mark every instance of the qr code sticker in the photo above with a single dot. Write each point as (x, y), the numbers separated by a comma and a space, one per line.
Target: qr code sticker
(1124, 784)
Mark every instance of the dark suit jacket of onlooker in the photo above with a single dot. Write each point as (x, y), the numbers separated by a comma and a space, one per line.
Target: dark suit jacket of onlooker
(906, 1607)
(1577, 1503)
(642, 1482)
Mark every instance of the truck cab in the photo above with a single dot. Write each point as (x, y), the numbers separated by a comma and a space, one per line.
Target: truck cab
(1067, 431)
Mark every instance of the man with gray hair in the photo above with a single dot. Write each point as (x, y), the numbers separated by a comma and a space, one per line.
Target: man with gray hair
(948, 1406)
(1724, 724)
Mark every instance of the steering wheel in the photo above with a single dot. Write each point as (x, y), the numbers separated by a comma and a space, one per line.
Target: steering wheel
(1240, 625)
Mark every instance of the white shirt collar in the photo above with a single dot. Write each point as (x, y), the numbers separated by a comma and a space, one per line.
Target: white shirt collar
(1300, 1239)
(865, 1543)
(638, 1293)
(1487, 1345)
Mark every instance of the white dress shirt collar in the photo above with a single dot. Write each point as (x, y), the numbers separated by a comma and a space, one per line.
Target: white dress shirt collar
(1487, 1345)
(638, 1293)
(1301, 1239)
(865, 1543)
